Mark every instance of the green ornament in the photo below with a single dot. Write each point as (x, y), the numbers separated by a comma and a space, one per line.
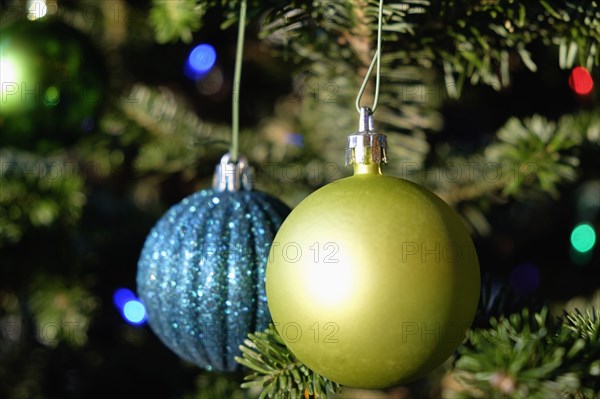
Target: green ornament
(372, 280)
(51, 84)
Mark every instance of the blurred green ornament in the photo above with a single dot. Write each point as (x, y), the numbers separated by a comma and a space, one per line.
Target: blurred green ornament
(51, 84)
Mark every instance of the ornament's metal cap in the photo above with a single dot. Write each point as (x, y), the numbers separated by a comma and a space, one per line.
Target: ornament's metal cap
(366, 146)
(232, 176)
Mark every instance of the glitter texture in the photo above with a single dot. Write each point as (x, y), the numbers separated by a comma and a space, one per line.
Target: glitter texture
(201, 273)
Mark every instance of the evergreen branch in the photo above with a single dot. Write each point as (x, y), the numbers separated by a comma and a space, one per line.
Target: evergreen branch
(278, 372)
(467, 40)
(527, 157)
(331, 43)
(176, 19)
(173, 128)
(587, 325)
(498, 299)
(329, 39)
(38, 192)
(54, 302)
(531, 355)
(542, 151)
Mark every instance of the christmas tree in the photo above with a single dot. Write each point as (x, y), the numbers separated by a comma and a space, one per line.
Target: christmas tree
(113, 111)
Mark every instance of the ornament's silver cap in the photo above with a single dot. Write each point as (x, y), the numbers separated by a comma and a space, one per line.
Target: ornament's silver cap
(232, 176)
(366, 146)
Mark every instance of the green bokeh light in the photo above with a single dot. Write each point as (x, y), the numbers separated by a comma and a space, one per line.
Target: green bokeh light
(8, 71)
(583, 237)
(13, 76)
(52, 96)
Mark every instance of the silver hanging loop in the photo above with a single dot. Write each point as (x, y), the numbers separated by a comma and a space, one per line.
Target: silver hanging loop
(366, 146)
(232, 176)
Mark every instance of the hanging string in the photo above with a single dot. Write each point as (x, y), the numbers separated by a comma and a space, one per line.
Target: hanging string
(376, 60)
(235, 106)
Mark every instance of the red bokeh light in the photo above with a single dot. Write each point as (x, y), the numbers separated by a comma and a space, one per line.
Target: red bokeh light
(581, 81)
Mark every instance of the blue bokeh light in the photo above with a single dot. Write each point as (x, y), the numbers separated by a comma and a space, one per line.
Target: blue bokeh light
(295, 139)
(200, 61)
(122, 296)
(134, 312)
(525, 278)
(88, 124)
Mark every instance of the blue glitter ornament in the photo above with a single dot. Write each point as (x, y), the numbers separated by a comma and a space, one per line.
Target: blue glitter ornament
(201, 273)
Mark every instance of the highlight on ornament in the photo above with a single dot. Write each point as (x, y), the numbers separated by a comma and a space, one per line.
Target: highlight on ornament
(200, 61)
(132, 310)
